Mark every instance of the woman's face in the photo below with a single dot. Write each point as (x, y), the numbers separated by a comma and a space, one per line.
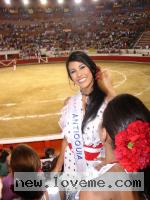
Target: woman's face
(80, 74)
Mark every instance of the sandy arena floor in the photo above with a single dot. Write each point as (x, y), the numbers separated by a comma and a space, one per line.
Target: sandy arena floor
(32, 96)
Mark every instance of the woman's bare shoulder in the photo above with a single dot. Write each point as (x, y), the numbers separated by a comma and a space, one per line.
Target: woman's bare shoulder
(84, 195)
(108, 195)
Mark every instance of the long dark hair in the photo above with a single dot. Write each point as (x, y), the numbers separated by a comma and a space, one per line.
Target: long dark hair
(121, 111)
(96, 97)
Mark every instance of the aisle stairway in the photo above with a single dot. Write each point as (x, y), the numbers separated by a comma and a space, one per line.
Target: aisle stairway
(143, 41)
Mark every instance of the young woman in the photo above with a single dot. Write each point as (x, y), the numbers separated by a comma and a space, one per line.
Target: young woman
(82, 115)
(126, 137)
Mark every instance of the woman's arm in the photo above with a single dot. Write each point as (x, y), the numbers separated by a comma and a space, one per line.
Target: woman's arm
(60, 160)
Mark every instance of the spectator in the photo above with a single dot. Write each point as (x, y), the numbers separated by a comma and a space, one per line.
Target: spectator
(4, 163)
(126, 137)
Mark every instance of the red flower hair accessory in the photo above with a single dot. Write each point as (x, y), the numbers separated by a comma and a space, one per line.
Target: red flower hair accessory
(132, 146)
(97, 73)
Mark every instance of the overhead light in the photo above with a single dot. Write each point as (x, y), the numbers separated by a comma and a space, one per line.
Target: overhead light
(7, 2)
(43, 2)
(25, 2)
(60, 1)
(78, 1)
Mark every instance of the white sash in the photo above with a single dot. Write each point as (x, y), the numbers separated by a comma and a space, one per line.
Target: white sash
(76, 134)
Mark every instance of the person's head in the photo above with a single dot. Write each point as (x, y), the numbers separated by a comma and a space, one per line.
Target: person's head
(25, 159)
(49, 152)
(82, 70)
(121, 111)
(126, 128)
(3, 155)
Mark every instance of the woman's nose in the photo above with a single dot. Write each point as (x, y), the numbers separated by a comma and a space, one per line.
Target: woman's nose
(79, 73)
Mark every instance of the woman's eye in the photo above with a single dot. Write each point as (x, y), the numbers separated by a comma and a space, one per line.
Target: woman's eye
(72, 71)
(82, 66)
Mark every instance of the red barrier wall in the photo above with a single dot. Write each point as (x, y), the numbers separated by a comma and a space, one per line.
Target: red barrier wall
(145, 59)
(123, 58)
(39, 146)
(113, 58)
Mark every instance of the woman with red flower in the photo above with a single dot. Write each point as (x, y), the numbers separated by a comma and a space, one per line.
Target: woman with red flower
(126, 137)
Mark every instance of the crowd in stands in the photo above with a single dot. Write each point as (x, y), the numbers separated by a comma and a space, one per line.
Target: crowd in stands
(105, 31)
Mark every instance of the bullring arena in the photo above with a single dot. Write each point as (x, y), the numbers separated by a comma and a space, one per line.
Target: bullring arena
(32, 96)
(33, 78)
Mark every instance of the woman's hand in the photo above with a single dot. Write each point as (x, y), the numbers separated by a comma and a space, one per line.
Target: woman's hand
(104, 80)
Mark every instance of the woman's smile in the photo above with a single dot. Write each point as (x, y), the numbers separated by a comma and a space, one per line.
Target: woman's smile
(82, 80)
